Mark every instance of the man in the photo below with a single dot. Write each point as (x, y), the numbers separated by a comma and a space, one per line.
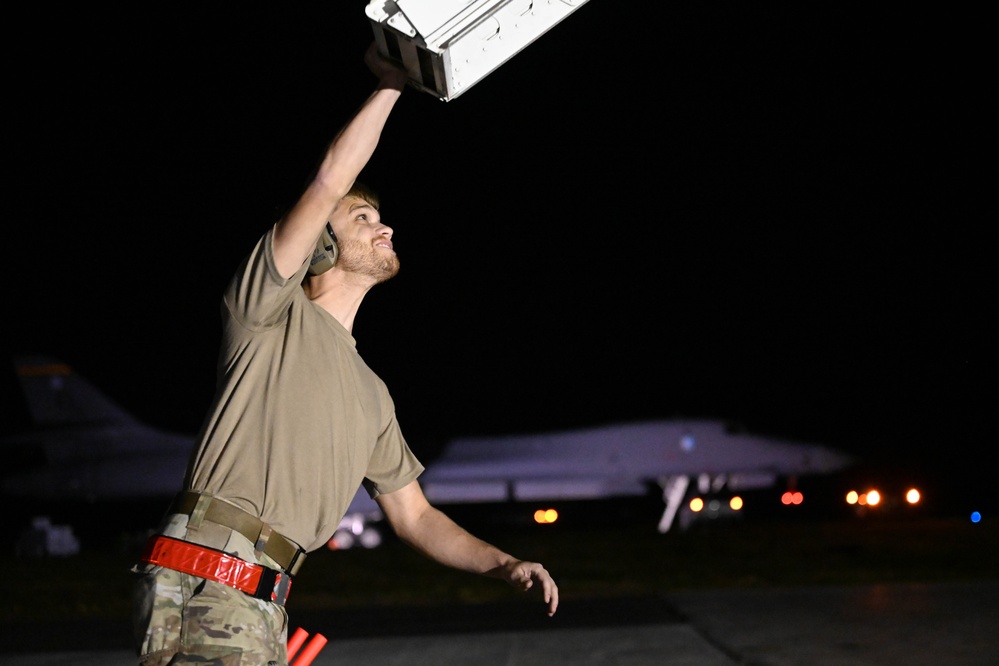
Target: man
(299, 421)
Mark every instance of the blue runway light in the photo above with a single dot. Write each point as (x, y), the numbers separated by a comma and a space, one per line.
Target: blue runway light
(976, 517)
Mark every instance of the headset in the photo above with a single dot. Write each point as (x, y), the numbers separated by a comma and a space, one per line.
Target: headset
(326, 252)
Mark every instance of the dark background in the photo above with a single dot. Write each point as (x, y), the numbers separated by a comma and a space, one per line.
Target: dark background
(774, 215)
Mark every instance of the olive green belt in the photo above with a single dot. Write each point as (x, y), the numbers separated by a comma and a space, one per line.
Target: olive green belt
(200, 506)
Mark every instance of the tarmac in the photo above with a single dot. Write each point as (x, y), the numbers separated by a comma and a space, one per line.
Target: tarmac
(864, 625)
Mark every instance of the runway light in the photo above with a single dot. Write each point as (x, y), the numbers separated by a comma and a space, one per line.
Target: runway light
(870, 498)
(912, 496)
(852, 497)
(735, 503)
(696, 504)
(976, 517)
(545, 516)
(791, 497)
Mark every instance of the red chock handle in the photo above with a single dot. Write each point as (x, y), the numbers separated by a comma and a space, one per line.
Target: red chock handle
(311, 650)
(296, 641)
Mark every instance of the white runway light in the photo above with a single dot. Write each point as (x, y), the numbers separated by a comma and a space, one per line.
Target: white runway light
(447, 46)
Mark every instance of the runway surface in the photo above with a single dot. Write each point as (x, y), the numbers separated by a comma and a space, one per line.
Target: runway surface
(883, 624)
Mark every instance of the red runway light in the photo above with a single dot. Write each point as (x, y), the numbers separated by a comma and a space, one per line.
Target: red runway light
(792, 497)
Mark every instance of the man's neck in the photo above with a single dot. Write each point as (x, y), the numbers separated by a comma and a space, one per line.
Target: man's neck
(339, 295)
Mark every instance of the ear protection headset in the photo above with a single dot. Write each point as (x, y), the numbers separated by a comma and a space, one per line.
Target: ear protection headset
(326, 252)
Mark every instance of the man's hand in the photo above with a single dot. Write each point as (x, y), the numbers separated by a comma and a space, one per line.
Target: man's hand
(523, 575)
(438, 537)
(388, 73)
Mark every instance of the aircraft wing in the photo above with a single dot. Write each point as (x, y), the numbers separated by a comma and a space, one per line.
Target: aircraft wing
(82, 445)
(620, 460)
(679, 457)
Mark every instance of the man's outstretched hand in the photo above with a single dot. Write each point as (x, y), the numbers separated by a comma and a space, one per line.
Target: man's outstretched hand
(524, 575)
(388, 72)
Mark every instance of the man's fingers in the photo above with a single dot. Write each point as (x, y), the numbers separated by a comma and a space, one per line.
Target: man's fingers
(524, 575)
(549, 588)
(551, 596)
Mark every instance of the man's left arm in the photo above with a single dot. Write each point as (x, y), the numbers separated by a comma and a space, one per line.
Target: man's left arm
(431, 532)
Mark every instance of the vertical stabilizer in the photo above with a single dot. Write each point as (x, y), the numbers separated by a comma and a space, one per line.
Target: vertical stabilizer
(57, 396)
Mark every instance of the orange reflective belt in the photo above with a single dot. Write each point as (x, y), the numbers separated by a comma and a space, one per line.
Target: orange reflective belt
(256, 580)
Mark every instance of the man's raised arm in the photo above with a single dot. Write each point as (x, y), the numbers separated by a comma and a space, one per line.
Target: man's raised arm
(296, 233)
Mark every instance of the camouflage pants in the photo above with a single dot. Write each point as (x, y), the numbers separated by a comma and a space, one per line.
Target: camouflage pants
(181, 619)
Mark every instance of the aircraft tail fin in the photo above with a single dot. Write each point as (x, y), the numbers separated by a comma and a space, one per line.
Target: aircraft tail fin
(55, 395)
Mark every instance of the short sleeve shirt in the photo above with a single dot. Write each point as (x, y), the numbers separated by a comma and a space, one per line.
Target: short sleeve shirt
(299, 420)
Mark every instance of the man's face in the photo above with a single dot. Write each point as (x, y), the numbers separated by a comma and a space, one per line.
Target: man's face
(365, 243)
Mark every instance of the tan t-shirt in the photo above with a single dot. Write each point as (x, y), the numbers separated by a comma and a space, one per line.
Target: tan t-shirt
(298, 420)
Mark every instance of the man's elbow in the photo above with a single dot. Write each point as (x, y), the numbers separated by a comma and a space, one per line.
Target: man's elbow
(407, 513)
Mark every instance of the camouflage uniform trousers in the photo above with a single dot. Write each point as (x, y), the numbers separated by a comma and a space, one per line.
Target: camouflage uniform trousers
(181, 619)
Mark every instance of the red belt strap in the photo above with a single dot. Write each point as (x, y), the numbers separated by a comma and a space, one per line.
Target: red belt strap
(256, 580)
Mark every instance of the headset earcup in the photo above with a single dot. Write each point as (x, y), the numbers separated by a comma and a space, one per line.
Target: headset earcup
(325, 255)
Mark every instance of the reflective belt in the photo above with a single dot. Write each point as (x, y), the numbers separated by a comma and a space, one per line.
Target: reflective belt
(201, 506)
(256, 580)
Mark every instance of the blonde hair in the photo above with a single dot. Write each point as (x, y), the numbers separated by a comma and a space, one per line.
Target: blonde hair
(362, 191)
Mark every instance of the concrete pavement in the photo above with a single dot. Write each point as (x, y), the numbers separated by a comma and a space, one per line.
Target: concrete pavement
(867, 625)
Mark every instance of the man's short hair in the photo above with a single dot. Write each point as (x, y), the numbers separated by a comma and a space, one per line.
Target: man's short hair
(362, 191)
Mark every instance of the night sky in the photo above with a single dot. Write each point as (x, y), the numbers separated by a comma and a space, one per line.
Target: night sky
(773, 215)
